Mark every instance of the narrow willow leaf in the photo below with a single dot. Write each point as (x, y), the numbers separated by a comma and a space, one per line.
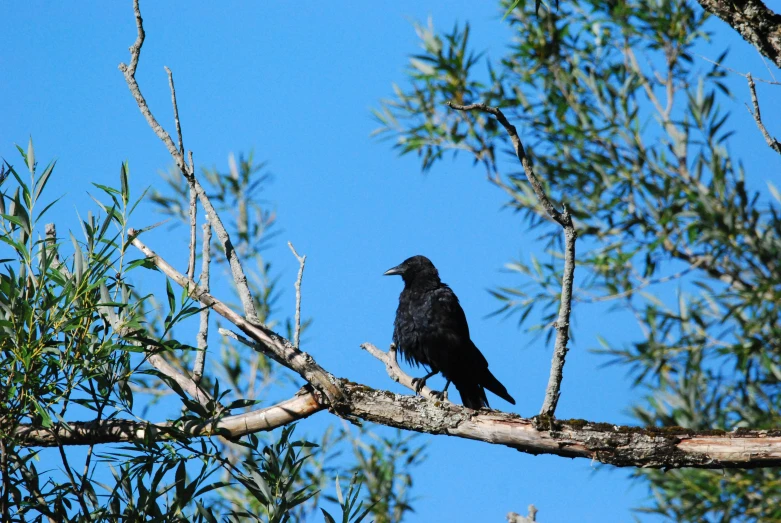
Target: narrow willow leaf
(30, 156)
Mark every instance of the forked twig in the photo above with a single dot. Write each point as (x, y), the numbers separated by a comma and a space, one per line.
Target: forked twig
(129, 71)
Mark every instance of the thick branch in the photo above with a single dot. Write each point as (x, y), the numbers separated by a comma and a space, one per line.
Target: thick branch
(671, 447)
(116, 430)
(553, 390)
(757, 24)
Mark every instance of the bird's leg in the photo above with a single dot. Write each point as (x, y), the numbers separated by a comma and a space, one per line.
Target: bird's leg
(441, 396)
(418, 383)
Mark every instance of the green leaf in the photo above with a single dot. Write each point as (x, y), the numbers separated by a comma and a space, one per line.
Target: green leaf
(125, 188)
(46, 420)
(328, 517)
(41, 183)
(78, 260)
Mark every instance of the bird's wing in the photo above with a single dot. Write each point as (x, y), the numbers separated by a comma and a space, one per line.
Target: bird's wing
(447, 312)
(450, 317)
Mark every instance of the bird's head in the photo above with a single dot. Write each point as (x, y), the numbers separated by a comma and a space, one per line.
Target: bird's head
(417, 267)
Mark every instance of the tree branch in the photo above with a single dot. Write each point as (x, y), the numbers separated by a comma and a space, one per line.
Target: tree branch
(399, 376)
(771, 141)
(188, 384)
(281, 348)
(553, 390)
(239, 277)
(203, 329)
(621, 446)
(116, 430)
(301, 263)
(757, 24)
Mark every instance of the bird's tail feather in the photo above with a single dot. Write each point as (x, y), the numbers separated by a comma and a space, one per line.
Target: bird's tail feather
(472, 395)
(490, 382)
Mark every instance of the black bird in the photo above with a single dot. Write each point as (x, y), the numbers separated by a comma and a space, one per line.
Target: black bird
(431, 330)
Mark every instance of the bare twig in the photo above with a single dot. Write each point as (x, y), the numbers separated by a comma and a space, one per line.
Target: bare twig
(193, 203)
(239, 277)
(130, 78)
(176, 109)
(772, 142)
(193, 212)
(301, 263)
(562, 219)
(399, 376)
(553, 390)
(250, 343)
(203, 330)
(744, 75)
(272, 342)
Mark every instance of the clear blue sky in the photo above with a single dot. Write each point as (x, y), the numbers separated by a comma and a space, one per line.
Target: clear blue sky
(296, 82)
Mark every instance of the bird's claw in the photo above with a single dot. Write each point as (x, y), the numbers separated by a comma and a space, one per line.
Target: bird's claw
(418, 384)
(440, 395)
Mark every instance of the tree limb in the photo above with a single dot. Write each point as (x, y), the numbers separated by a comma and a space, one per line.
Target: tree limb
(553, 390)
(621, 446)
(119, 430)
(757, 24)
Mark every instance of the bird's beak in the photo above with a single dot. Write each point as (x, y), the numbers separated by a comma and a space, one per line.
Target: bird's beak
(395, 270)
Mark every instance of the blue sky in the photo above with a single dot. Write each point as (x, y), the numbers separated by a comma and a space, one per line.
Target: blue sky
(296, 83)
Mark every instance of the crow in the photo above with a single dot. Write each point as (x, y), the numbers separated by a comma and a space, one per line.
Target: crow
(431, 329)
